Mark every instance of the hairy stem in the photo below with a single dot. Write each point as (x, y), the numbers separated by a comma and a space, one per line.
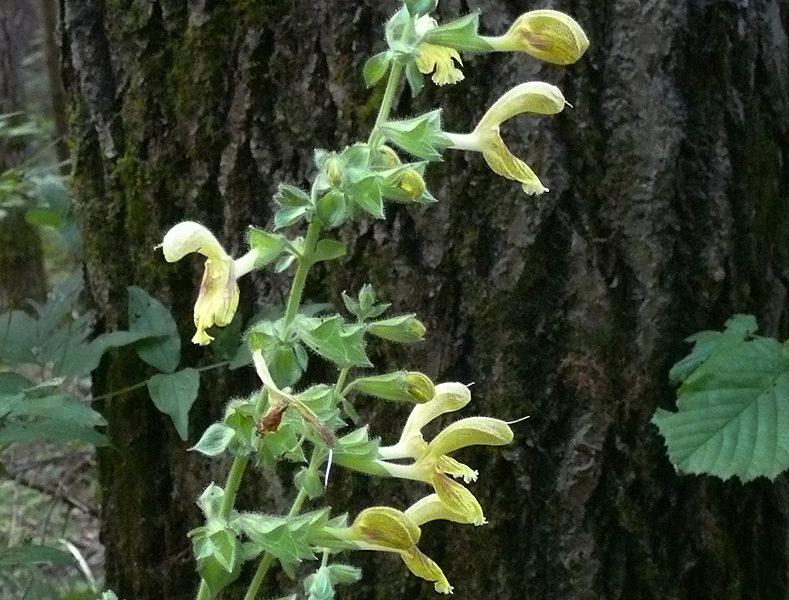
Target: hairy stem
(305, 262)
(386, 104)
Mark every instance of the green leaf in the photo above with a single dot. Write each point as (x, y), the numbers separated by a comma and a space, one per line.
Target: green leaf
(332, 339)
(268, 246)
(328, 250)
(706, 343)
(358, 452)
(40, 216)
(344, 574)
(210, 502)
(82, 359)
(59, 408)
(17, 337)
(294, 205)
(215, 440)
(332, 210)
(148, 315)
(13, 383)
(418, 8)
(58, 431)
(460, 34)
(366, 193)
(421, 136)
(415, 78)
(733, 407)
(376, 67)
(277, 535)
(33, 555)
(319, 585)
(310, 482)
(173, 394)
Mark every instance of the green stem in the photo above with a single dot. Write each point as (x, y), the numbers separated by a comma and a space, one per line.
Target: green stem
(340, 381)
(137, 386)
(305, 262)
(386, 104)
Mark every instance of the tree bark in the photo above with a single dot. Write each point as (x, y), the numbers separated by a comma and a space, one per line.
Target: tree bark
(667, 213)
(21, 257)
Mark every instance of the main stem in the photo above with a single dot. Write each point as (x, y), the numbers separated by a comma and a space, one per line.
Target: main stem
(294, 300)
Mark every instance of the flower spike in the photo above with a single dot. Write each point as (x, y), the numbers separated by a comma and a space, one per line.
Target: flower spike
(534, 97)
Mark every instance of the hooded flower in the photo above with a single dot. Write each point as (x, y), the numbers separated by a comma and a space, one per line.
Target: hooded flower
(549, 35)
(435, 59)
(431, 461)
(218, 298)
(534, 97)
(388, 530)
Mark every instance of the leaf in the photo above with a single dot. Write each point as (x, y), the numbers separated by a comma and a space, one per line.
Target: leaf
(294, 205)
(17, 337)
(417, 8)
(708, 342)
(13, 383)
(328, 250)
(356, 450)
(58, 431)
(415, 78)
(174, 394)
(147, 314)
(331, 210)
(460, 34)
(421, 136)
(344, 574)
(33, 555)
(376, 67)
(310, 482)
(733, 408)
(59, 408)
(82, 359)
(339, 343)
(267, 245)
(40, 216)
(366, 193)
(215, 440)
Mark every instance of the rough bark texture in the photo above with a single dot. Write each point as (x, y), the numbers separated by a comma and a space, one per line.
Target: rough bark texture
(21, 263)
(667, 213)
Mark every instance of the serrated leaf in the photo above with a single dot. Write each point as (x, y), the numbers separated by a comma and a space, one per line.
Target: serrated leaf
(309, 481)
(267, 245)
(284, 538)
(173, 394)
(33, 555)
(215, 440)
(147, 315)
(339, 343)
(420, 136)
(357, 451)
(733, 411)
(328, 250)
(376, 67)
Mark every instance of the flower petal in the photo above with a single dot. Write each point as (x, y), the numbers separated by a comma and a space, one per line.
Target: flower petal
(430, 508)
(549, 35)
(449, 397)
(385, 528)
(474, 431)
(505, 163)
(458, 499)
(218, 298)
(424, 567)
(535, 97)
(438, 60)
(188, 237)
(450, 466)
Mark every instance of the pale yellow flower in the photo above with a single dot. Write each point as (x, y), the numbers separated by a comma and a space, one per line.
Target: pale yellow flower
(431, 461)
(388, 530)
(549, 35)
(438, 60)
(218, 298)
(535, 97)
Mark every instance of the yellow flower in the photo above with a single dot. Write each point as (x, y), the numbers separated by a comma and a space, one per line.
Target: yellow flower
(388, 530)
(218, 298)
(534, 97)
(549, 35)
(435, 59)
(430, 508)
(432, 463)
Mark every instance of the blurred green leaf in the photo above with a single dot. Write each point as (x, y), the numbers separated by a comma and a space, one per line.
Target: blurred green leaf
(173, 394)
(162, 347)
(33, 555)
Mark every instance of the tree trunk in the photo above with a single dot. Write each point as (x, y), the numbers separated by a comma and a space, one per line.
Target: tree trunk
(667, 213)
(21, 258)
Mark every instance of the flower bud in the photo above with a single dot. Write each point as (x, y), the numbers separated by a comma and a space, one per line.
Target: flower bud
(412, 184)
(386, 157)
(333, 170)
(402, 386)
(405, 329)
